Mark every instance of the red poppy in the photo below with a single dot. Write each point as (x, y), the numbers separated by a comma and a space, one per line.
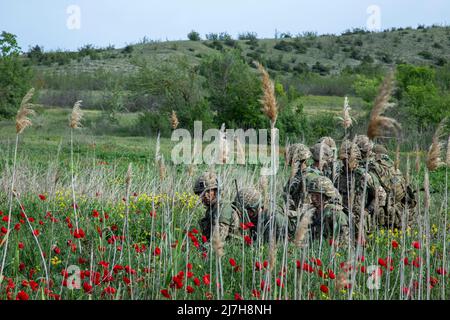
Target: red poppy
(382, 262)
(331, 274)
(157, 251)
(406, 261)
(264, 286)
(204, 239)
(4, 230)
(317, 261)
(232, 262)
(307, 267)
(109, 290)
(279, 283)
(324, 289)
(441, 271)
(165, 293)
(189, 289)
(82, 260)
(256, 294)
(57, 250)
(244, 226)
(36, 232)
(79, 233)
(416, 262)
(258, 266)
(265, 263)
(250, 225)
(126, 280)
(197, 281)
(42, 197)
(237, 296)
(5, 219)
(206, 279)
(17, 226)
(248, 240)
(416, 244)
(394, 244)
(433, 281)
(22, 295)
(95, 213)
(87, 288)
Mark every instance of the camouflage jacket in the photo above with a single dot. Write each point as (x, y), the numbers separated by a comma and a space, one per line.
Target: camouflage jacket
(332, 171)
(295, 190)
(390, 179)
(331, 222)
(226, 217)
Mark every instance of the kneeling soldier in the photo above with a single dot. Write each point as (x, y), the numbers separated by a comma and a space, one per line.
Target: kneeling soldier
(221, 215)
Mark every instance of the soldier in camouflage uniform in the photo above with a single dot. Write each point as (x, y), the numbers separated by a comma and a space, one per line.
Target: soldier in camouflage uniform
(400, 200)
(333, 164)
(255, 218)
(323, 157)
(294, 190)
(353, 181)
(222, 215)
(329, 219)
(248, 204)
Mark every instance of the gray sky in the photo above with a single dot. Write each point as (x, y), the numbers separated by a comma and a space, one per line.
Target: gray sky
(118, 22)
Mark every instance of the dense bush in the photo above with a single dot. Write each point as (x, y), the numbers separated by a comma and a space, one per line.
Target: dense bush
(252, 36)
(194, 36)
(233, 90)
(15, 78)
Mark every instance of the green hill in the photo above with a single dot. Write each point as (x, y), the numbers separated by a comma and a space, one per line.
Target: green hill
(329, 53)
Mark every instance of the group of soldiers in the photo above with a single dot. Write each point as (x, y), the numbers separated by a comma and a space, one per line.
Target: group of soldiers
(342, 194)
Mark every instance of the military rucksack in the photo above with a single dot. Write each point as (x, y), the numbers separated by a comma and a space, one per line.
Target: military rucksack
(391, 179)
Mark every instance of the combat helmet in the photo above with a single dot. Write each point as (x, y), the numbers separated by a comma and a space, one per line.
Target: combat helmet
(207, 181)
(248, 198)
(297, 152)
(380, 149)
(329, 141)
(321, 152)
(320, 184)
(364, 144)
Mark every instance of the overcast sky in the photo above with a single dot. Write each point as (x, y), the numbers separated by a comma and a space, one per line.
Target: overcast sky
(63, 24)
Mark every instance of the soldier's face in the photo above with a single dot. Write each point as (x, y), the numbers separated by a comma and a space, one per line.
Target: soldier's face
(209, 197)
(317, 200)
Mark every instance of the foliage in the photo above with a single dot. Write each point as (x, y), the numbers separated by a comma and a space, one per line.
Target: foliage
(15, 78)
(233, 90)
(194, 36)
(421, 100)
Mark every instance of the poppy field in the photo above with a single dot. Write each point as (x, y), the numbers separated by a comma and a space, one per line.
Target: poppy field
(95, 229)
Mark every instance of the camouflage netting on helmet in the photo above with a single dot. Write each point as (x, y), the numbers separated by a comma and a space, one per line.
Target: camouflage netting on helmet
(349, 151)
(329, 142)
(321, 152)
(364, 144)
(248, 198)
(205, 182)
(320, 184)
(380, 149)
(297, 152)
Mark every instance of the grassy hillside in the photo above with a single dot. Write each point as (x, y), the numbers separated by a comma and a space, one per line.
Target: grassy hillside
(416, 46)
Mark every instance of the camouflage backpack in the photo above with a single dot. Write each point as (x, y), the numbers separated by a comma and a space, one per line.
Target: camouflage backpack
(391, 179)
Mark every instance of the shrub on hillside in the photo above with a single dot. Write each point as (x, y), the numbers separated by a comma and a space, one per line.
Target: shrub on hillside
(194, 36)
